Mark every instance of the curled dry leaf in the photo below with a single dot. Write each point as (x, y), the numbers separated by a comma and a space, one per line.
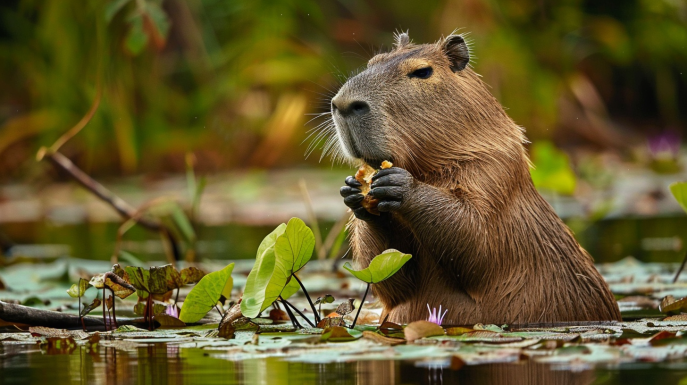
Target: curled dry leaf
(670, 305)
(376, 337)
(331, 321)
(336, 334)
(421, 329)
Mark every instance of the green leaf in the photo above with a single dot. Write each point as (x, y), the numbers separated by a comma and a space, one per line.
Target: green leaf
(552, 169)
(679, 190)
(382, 266)
(137, 39)
(139, 277)
(294, 248)
(191, 275)
(113, 7)
(78, 289)
(205, 294)
(259, 277)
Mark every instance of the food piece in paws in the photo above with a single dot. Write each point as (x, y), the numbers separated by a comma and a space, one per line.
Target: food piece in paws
(364, 176)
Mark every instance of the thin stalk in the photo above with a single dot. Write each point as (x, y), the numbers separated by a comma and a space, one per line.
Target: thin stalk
(104, 307)
(312, 306)
(114, 314)
(682, 267)
(176, 299)
(361, 305)
(299, 313)
(84, 328)
(220, 313)
(294, 321)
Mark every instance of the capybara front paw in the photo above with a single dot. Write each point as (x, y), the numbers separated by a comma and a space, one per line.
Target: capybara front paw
(353, 198)
(391, 188)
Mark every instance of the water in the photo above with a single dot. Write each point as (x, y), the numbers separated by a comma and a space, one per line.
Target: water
(163, 363)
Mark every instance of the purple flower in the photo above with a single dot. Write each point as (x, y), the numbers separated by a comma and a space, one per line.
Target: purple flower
(172, 310)
(435, 316)
(665, 145)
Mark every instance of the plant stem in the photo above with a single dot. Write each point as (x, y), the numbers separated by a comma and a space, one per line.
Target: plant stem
(361, 305)
(312, 306)
(114, 314)
(291, 316)
(220, 313)
(682, 267)
(176, 299)
(104, 307)
(299, 313)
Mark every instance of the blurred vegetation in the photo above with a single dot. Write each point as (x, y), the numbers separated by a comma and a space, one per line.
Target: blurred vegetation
(233, 81)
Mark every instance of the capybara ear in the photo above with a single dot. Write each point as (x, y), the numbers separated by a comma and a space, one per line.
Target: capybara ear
(457, 51)
(402, 40)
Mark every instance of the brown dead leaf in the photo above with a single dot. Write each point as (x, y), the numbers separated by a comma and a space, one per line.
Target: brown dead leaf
(330, 322)
(679, 317)
(660, 336)
(670, 306)
(167, 321)
(421, 329)
(278, 315)
(336, 334)
(227, 331)
(376, 337)
(456, 331)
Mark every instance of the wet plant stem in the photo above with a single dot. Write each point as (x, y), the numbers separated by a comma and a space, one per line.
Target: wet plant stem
(312, 306)
(104, 307)
(299, 312)
(294, 321)
(361, 306)
(176, 299)
(219, 311)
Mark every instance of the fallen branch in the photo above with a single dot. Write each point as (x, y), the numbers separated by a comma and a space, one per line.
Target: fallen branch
(20, 314)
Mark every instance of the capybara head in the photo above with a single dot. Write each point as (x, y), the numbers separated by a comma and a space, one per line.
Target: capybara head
(415, 96)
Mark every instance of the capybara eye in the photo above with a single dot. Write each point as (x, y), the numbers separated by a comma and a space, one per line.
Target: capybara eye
(422, 73)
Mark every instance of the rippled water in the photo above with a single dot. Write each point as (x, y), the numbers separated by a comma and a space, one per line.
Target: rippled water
(160, 363)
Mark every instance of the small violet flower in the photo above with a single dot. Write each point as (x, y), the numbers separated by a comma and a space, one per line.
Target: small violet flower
(172, 310)
(436, 317)
(665, 145)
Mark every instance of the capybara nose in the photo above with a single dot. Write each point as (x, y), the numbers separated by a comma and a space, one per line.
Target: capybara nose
(347, 108)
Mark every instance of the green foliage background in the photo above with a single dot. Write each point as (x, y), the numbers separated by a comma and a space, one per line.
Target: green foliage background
(232, 81)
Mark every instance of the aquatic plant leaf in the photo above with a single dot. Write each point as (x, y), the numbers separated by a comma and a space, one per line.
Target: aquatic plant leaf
(336, 334)
(78, 289)
(90, 307)
(139, 277)
(421, 329)
(205, 294)
(119, 287)
(259, 277)
(167, 321)
(140, 308)
(294, 248)
(191, 275)
(679, 190)
(120, 272)
(382, 266)
(163, 279)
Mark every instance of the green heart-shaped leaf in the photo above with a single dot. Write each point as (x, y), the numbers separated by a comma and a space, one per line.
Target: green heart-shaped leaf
(282, 253)
(679, 190)
(382, 266)
(205, 294)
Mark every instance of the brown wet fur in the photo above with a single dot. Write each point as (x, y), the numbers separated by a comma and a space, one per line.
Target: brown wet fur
(485, 245)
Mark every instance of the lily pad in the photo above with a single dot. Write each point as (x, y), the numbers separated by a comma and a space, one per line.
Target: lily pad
(205, 294)
(382, 266)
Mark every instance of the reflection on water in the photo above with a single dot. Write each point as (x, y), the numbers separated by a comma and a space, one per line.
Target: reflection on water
(168, 364)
